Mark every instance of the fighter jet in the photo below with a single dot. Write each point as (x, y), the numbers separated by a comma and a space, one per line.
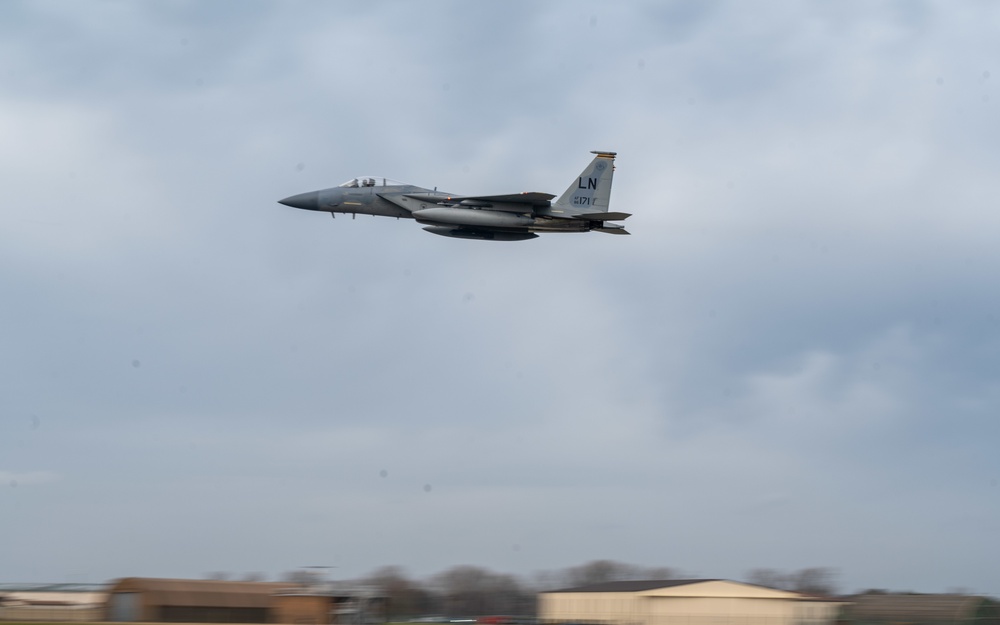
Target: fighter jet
(515, 217)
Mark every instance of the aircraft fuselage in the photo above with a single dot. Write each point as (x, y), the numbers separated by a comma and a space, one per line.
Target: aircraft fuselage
(513, 217)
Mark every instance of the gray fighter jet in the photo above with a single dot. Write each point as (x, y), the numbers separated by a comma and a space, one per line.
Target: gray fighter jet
(516, 217)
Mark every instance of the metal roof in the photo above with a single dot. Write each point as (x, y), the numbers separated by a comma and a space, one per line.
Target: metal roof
(635, 585)
(201, 593)
(56, 587)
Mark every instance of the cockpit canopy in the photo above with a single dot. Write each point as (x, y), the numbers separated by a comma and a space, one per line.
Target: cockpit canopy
(371, 181)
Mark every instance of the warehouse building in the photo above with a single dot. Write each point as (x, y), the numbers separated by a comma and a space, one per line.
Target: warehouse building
(684, 602)
(52, 602)
(139, 599)
(878, 608)
(134, 599)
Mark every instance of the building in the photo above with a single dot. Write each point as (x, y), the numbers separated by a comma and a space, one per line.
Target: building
(139, 599)
(52, 602)
(684, 602)
(330, 603)
(135, 599)
(877, 608)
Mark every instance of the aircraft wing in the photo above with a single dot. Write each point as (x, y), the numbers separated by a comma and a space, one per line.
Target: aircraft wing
(510, 203)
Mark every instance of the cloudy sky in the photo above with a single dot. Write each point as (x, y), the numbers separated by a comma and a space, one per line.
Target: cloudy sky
(793, 362)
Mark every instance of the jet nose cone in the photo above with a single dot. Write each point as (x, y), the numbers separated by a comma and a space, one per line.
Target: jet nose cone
(308, 201)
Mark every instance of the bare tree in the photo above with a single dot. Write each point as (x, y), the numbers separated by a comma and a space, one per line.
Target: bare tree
(463, 590)
(813, 581)
(771, 578)
(474, 591)
(406, 597)
(542, 581)
(596, 572)
(600, 571)
(303, 577)
(661, 572)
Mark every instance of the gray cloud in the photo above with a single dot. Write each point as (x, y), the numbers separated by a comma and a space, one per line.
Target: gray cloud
(789, 363)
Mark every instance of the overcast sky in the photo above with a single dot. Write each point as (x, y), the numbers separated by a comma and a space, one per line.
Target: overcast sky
(794, 361)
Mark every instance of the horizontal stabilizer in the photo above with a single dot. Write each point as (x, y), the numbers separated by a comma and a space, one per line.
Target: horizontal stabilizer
(603, 216)
(612, 230)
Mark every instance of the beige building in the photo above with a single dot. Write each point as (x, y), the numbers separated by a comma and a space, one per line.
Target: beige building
(53, 602)
(684, 602)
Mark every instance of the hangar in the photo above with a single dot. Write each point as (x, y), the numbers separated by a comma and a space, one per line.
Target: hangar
(684, 602)
(134, 599)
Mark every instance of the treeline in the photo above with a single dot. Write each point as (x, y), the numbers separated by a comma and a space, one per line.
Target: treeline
(812, 581)
(476, 591)
(472, 590)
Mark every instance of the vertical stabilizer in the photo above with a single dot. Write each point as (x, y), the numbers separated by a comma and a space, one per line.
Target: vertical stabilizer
(591, 191)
